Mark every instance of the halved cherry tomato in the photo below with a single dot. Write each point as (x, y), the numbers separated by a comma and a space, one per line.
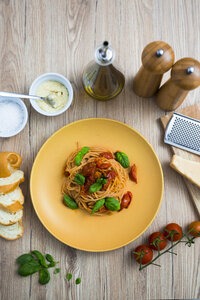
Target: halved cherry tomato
(133, 173)
(102, 165)
(110, 175)
(88, 182)
(107, 155)
(143, 254)
(89, 169)
(173, 228)
(196, 226)
(126, 200)
(157, 241)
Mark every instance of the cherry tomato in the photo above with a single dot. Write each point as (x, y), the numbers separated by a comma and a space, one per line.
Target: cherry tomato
(102, 165)
(126, 200)
(157, 241)
(110, 175)
(196, 226)
(177, 232)
(107, 155)
(133, 173)
(89, 169)
(143, 254)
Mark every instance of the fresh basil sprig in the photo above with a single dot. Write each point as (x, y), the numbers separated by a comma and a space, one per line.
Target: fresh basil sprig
(33, 262)
(122, 158)
(97, 185)
(80, 154)
(80, 179)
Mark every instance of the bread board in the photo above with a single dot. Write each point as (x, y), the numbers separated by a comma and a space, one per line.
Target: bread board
(194, 112)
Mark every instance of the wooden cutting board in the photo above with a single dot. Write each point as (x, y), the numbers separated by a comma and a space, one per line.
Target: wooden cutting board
(194, 112)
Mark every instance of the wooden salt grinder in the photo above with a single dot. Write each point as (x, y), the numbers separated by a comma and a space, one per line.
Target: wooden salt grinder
(185, 76)
(157, 58)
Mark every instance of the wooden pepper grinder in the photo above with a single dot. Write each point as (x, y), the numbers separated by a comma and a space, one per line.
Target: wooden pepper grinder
(157, 58)
(185, 76)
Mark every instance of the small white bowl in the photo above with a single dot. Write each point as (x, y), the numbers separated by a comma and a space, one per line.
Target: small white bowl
(24, 116)
(53, 77)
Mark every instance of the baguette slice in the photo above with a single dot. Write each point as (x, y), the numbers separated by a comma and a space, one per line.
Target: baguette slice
(188, 168)
(12, 232)
(12, 201)
(8, 184)
(9, 218)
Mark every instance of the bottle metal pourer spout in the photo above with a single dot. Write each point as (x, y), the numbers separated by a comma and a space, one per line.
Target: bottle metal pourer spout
(104, 54)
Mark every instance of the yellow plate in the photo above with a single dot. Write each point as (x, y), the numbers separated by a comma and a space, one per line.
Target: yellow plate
(77, 228)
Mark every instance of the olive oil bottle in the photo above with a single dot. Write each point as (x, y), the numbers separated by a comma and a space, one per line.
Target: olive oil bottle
(101, 80)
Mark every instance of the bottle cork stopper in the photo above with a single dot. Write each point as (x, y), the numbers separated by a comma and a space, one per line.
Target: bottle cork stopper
(186, 73)
(158, 57)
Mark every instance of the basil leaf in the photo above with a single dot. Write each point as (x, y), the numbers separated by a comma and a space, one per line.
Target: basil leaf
(122, 158)
(44, 276)
(70, 202)
(104, 181)
(98, 205)
(69, 276)
(80, 154)
(78, 280)
(56, 271)
(95, 187)
(112, 204)
(24, 258)
(29, 268)
(80, 179)
(40, 257)
(84, 150)
(49, 258)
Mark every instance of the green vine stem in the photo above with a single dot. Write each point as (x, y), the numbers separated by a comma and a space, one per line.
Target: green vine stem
(187, 242)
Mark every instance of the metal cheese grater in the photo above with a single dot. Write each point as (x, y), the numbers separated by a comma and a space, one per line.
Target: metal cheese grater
(183, 132)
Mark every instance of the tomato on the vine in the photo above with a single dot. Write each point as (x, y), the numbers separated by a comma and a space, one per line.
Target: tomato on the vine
(196, 228)
(143, 254)
(173, 232)
(157, 241)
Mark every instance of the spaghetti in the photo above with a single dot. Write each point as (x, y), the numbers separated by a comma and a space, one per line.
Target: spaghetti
(95, 164)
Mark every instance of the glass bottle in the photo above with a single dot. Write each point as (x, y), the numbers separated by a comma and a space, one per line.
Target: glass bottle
(101, 80)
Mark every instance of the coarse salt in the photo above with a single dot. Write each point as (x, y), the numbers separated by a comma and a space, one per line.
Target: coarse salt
(11, 117)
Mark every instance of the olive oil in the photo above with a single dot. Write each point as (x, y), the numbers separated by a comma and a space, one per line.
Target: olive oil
(101, 80)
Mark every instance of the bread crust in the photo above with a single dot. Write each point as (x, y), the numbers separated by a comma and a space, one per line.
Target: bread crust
(7, 159)
(4, 189)
(17, 205)
(18, 236)
(11, 223)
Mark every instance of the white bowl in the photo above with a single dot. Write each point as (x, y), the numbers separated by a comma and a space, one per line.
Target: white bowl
(24, 116)
(54, 77)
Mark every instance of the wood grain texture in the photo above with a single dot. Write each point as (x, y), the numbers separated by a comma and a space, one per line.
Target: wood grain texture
(194, 112)
(40, 36)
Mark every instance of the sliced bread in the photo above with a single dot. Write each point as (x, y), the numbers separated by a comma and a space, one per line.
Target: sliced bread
(12, 232)
(12, 201)
(8, 218)
(10, 183)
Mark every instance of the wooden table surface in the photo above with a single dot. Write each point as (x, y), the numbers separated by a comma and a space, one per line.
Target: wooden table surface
(41, 36)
